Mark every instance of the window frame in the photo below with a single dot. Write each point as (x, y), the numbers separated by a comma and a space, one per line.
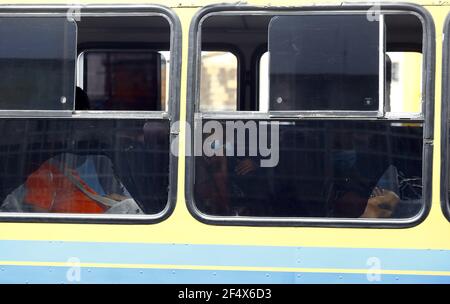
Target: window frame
(445, 121)
(171, 114)
(427, 117)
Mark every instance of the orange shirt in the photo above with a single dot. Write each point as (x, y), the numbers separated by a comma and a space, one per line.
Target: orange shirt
(50, 190)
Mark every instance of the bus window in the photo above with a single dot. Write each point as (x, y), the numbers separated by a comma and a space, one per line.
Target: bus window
(37, 63)
(84, 166)
(103, 161)
(121, 73)
(218, 86)
(339, 163)
(445, 133)
(125, 80)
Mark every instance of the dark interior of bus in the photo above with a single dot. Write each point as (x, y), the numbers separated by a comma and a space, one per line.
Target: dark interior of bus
(320, 162)
(123, 69)
(327, 168)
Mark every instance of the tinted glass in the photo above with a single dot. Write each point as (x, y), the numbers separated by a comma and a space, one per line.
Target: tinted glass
(324, 63)
(84, 166)
(341, 169)
(37, 63)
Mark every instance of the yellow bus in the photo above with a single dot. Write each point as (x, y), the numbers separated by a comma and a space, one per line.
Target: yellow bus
(202, 142)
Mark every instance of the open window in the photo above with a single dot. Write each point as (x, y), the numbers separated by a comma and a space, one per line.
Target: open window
(330, 122)
(219, 84)
(124, 80)
(87, 105)
(123, 63)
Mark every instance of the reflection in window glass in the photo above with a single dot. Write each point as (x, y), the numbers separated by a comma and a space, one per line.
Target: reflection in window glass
(218, 86)
(125, 80)
(341, 169)
(37, 63)
(84, 166)
(324, 63)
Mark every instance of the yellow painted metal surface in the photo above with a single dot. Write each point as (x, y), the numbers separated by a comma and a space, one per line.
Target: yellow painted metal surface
(181, 227)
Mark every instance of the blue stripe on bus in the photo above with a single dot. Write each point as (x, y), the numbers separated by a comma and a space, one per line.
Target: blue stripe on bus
(42, 275)
(224, 255)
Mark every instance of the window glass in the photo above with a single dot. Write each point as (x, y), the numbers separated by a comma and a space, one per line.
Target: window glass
(87, 166)
(324, 63)
(89, 162)
(342, 169)
(261, 165)
(125, 80)
(218, 86)
(37, 63)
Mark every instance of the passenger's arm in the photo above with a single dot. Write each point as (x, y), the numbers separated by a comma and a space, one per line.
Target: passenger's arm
(381, 204)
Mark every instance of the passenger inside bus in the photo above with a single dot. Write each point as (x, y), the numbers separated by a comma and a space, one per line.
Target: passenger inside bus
(94, 164)
(70, 183)
(353, 193)
(73, 183)
(232, 185)
(342, 168)
(94, 176)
